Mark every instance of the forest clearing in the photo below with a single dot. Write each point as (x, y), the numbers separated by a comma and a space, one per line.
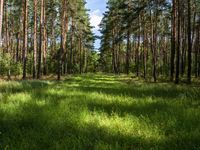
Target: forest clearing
(100, 74)
(98, 112)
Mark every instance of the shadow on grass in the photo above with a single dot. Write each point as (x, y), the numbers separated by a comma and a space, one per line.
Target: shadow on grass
(43, 127)
(36, 128)
(164, 93)
(54, 125)
(23, 86)
(116, 87)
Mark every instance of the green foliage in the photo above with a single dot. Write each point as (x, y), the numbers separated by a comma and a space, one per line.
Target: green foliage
(5, 63)
(16, 69)
(8, 66)
(98, 112)
(29, 64)
(93, 61)
(78, 36)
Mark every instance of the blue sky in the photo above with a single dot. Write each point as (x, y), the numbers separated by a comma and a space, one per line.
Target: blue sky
(97, 8)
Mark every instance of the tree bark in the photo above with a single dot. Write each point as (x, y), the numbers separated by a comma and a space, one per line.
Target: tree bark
(44, 40)
(40, 40)
(178, 43)
(189, 44)
(35, 40)
(173, 43)
(25, 40)
(128, 53)
(1, 20)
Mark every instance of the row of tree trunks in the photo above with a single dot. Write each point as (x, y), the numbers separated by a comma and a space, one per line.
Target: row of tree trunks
(23, 39)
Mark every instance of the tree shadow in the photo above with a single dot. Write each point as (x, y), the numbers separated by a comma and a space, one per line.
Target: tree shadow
(37, 128)
(42, 127)
(51, 125)
(137, 92)
(23, 86)
(180, 128)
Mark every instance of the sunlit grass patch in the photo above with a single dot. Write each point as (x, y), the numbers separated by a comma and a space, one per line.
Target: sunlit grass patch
(98, 112)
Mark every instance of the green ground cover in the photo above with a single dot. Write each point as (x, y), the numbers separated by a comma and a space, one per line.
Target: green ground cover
(98, 112)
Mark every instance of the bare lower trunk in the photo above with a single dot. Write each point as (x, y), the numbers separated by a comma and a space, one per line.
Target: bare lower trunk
(1, 20)
(25, 45)
(35, 40)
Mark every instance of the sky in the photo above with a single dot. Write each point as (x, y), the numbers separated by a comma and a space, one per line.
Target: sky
(97, 8)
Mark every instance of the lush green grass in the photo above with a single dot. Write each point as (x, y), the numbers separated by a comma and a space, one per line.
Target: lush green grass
(98, 112)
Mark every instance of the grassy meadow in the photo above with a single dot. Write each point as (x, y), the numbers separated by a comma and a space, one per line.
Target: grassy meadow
(100, 112)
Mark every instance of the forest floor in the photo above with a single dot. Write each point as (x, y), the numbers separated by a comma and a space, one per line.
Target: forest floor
(98, 112)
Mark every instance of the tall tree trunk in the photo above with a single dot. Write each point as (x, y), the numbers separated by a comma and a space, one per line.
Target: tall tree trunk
(173, 43)
(178, 43)
(44, 40)
(25, 40)
(6, 27)
(17, 46)
(196, 53)
(71, 46)
(128, 52)
(59, 58)
(114, 67)
(85, 60)
(1, 20)
(62, 38)
(6, 24)
(66, 49)
(53, 41)
(189, 43)
(41, 40)
(145, 54)
(65, 31)
(137, 55)
(198, 61)
(35, 40)
(183, 47)
(80, 58)
(154, 43)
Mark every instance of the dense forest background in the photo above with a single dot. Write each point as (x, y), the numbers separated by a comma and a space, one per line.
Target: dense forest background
(154, 39)
(45, 37)
(121, 96)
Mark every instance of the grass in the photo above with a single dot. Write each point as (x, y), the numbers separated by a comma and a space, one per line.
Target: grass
(98, 112)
